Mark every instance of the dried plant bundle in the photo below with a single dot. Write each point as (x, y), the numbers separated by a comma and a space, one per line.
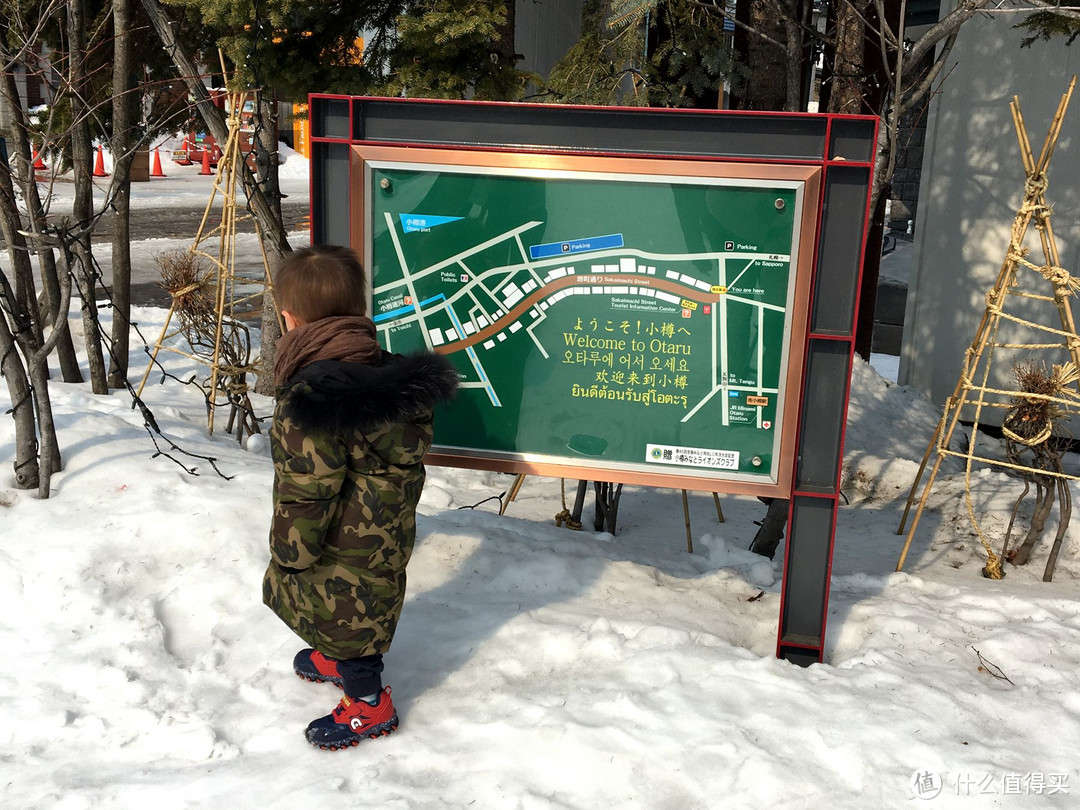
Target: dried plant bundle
(1037, 407)
(191, 286)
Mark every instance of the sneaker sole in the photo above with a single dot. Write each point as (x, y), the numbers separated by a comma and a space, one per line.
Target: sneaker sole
(373, 733)
(319, 678)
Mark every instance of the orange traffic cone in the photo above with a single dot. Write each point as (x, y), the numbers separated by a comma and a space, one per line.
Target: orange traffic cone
(39, 164)
(99, 164)
(185, 159)
(205, 162)
(156, 170)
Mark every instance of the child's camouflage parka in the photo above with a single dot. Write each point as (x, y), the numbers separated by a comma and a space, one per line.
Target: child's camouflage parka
(348, 442)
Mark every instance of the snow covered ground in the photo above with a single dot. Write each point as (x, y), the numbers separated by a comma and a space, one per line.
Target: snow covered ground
(534, 667)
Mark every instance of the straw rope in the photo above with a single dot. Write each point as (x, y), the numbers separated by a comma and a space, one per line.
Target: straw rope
(565, 517)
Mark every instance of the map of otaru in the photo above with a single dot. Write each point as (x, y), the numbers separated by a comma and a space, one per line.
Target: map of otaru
(636, 323)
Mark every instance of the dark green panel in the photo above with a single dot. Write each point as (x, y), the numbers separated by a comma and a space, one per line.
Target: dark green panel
(618, 322)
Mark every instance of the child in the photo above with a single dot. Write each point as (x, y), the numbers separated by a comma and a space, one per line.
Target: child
(350, 430)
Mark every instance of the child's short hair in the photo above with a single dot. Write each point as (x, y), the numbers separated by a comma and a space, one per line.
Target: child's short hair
(322, 281)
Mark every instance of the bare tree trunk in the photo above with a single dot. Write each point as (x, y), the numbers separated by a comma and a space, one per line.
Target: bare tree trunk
(10, 225)
(86, 280)
(767, 86)
(771, 531)
(24, 294)
(846, 87)
(1044, 504)
(266, 151)
(22, 411)
(49, 448)
(19, 148)
(28, 378)
(266, 159)
(793, 57)
(123, 146)
(83, 207)
(1064, 516)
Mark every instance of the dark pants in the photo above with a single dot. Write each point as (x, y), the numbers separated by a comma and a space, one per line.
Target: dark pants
(362, 676)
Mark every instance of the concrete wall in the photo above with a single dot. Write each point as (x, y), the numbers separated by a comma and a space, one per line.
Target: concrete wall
(972, 184)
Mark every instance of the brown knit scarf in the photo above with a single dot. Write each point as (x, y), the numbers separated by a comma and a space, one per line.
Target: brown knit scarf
(348, 337)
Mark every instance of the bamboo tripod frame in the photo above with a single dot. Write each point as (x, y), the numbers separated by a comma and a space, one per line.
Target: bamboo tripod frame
(227, 382)
(1034, 208)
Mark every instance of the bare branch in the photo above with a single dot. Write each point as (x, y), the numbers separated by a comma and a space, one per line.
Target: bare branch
(30, 38)
(886, 36)
(990, 668)
(964, 11)
(712, 6)
(1072, 12)
(916, 92)
(882, 31)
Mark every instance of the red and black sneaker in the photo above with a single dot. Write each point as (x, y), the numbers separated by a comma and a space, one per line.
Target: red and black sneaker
(353, 721)
(312, 665)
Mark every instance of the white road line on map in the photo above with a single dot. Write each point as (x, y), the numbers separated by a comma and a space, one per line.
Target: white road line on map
(484, 287)
(484, 313)
(458, 257)
(714, 324)
(535, 339)
(700, 404)
(406, 278)
(527, 259)
(760, 355)
(722, 306)
(742, 273)
(759, 304)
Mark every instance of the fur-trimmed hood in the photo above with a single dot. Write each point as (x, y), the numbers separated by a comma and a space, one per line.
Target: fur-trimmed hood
(337, 396)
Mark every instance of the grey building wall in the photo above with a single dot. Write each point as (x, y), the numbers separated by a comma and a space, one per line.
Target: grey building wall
(971, 186)
(546, 29)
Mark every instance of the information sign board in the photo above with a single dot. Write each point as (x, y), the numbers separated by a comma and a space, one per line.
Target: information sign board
(631, 320)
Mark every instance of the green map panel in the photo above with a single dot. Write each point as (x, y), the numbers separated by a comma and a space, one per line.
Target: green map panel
(607, 321)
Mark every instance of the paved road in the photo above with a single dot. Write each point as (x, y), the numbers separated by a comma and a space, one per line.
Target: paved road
(180, 223)
(175, 223)
(183, 223)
